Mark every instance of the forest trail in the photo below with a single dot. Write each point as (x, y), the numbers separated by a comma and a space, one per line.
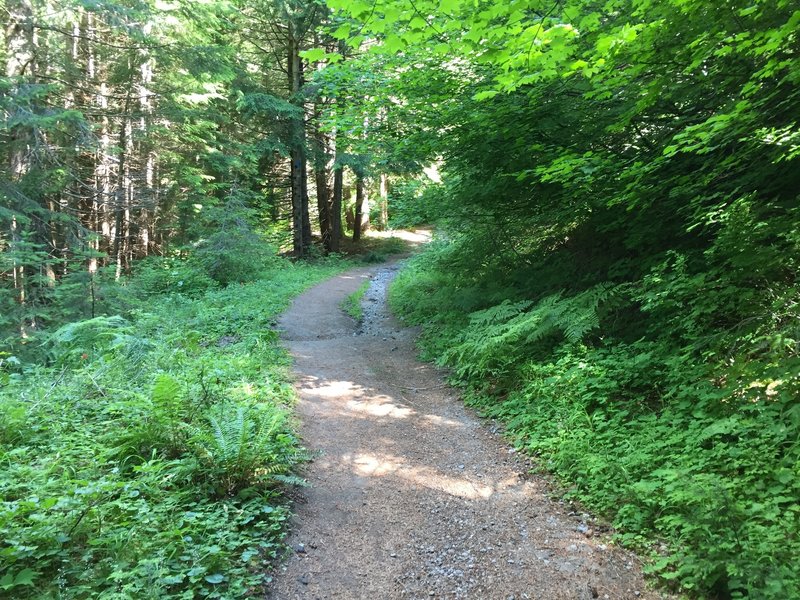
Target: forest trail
(412, 495)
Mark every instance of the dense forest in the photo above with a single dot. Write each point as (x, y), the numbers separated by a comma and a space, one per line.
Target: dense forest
(614, 186)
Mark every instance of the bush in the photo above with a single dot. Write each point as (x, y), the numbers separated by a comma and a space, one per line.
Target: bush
(164, 275)
(148, 463)
(244, 447)
(232, 251)
(412, 202)
(636, 410)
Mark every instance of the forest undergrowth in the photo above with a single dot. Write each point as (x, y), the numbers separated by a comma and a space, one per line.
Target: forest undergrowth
(685, 439)
(144, 452)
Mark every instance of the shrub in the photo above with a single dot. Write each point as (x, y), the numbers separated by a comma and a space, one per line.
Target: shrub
(163, 275)
(148, 461)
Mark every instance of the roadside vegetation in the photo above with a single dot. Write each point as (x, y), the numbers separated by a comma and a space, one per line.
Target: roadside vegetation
(144, 451)
(352, 303)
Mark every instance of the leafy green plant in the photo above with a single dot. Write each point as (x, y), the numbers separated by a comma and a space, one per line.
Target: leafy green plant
(243, 447)
(684, 435)
(233, 252)
(153, 466)
(161, 275)
(76, 342)
(352, 303)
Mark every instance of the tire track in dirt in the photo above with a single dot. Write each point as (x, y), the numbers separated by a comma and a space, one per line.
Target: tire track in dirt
(412, 495)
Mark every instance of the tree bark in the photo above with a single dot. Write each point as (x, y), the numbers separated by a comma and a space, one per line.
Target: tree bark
(301, 225)
(121, 193)
(322, 177)
(359, 209)
(336, 209)
(384, 202)
(323, 205)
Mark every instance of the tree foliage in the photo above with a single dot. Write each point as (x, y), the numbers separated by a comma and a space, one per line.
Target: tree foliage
(619, 277)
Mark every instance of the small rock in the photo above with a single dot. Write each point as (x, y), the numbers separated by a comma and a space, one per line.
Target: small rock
(305, 578)
(461, 467)
(572, 548)
(300, 548)
(393, 555)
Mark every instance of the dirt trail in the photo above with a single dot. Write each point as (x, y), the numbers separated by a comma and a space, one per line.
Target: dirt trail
(412, 495)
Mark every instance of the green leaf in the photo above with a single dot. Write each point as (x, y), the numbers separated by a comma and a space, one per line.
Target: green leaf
(342, 32)
(418, 23)
(6, 581)
(394, 43)
(485, 95)
(215, 578)
(313, 55)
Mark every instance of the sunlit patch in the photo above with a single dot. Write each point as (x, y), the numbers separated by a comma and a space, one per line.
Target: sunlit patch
(454, 486)
(380, 406)
(437, 420)
(374, 465)
(335, 389)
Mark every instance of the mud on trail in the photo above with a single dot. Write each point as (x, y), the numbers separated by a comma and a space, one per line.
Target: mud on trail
(413, 496)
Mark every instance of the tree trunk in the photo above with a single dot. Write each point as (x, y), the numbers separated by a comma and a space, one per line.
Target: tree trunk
(321, 177)
(323, 205)
(359, 209)
(306, 217)
(301, 226)
(121, 193)
(336, 209)
(384, 202)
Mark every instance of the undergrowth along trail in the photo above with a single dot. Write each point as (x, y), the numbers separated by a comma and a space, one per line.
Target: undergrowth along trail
(411, 495)
(145, 460)
(695, 461)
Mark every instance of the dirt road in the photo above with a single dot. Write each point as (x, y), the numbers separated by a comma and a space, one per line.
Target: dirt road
(412, 495)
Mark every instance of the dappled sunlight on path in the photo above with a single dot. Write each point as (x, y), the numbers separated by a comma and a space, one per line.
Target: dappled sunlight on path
(412, 496)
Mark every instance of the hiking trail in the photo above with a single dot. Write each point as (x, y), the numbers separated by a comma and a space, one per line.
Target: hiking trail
(412, 495)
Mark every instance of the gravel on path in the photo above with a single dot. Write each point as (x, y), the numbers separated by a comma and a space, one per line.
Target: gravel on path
(412, 495)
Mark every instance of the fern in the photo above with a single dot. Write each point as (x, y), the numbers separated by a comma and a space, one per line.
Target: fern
(246, 447)
(499, 338)
(70, 342)
(166, 391)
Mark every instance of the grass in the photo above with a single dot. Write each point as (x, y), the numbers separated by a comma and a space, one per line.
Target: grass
(352, 304)
(375, 248)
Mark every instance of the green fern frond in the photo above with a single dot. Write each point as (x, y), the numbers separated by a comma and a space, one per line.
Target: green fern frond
(499, 337)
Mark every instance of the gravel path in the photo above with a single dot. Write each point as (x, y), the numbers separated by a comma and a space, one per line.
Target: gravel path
(412, 495)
